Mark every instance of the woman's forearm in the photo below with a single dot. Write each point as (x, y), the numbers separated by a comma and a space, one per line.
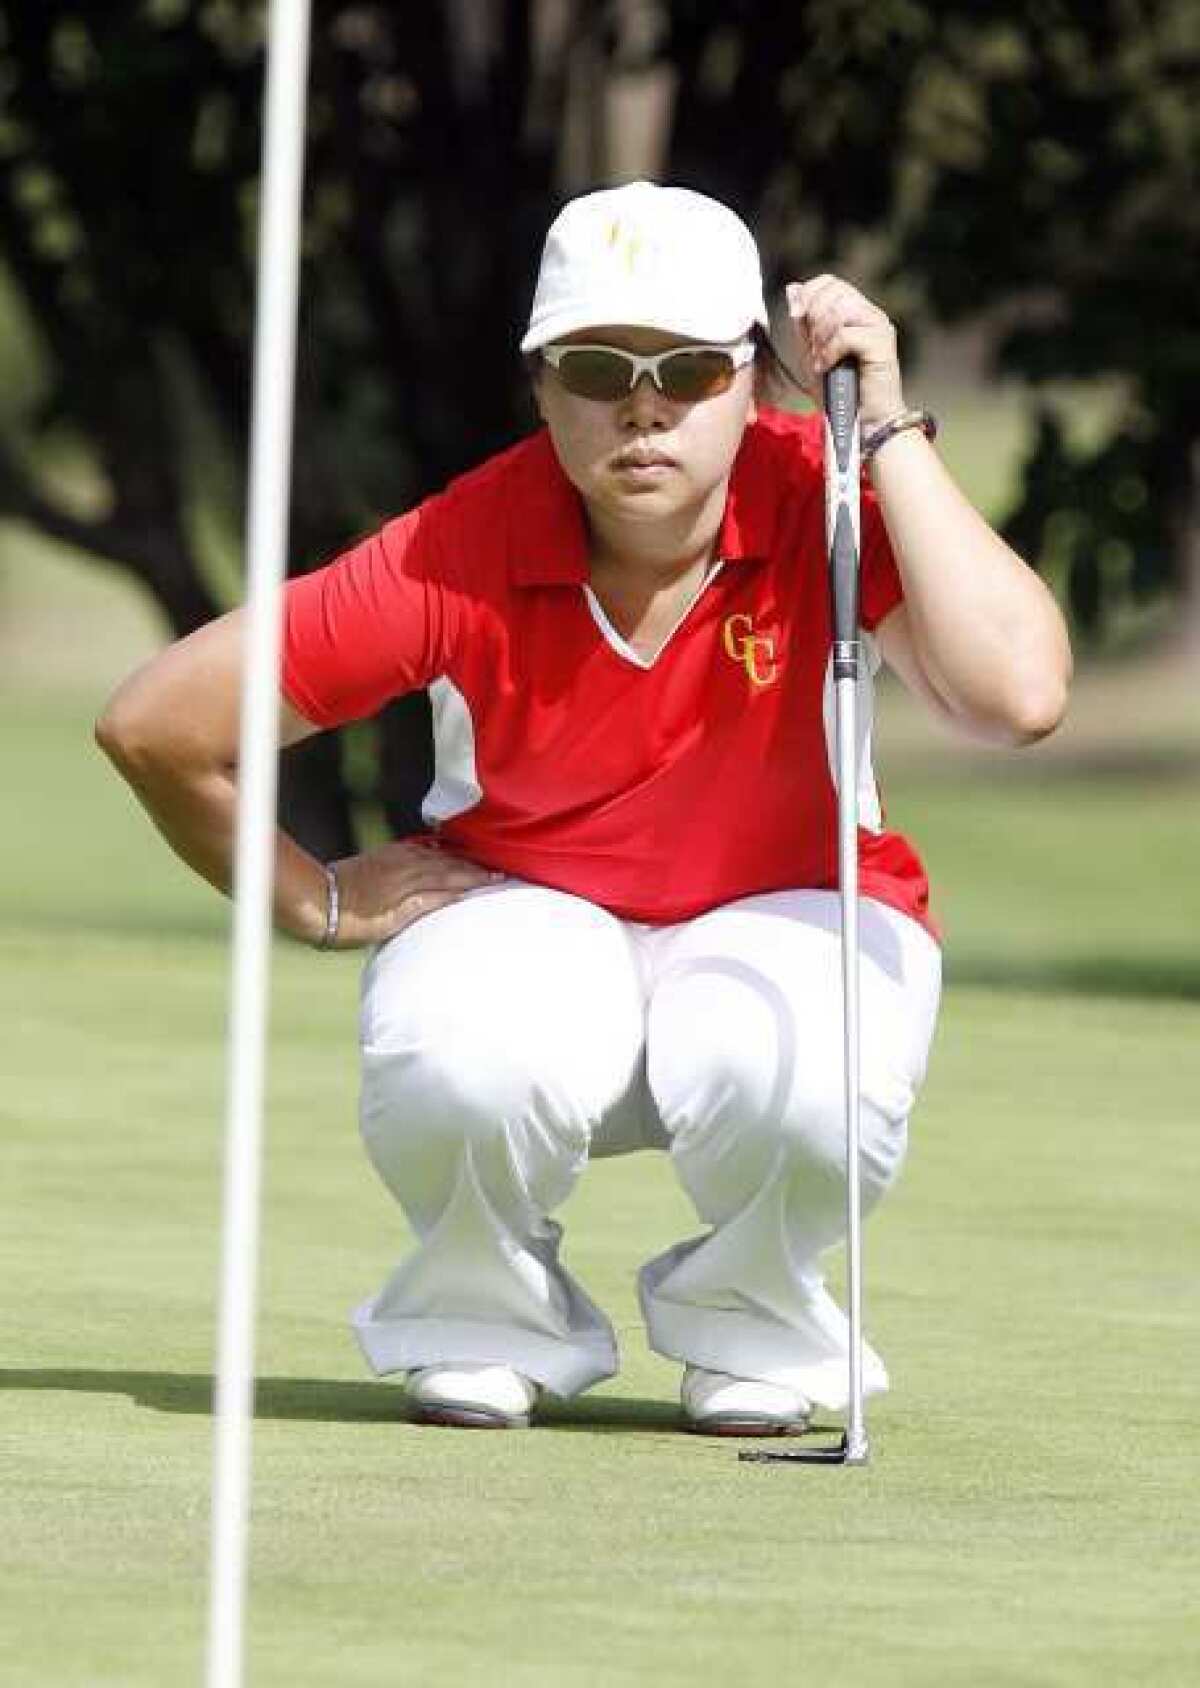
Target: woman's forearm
(983, 639)
(171, 728)
(987, 633)
(195, 809)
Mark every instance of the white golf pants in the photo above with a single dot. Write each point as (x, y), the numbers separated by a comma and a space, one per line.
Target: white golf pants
(514, 1033)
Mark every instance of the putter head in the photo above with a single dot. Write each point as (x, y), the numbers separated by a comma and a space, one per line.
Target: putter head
(845, 1451)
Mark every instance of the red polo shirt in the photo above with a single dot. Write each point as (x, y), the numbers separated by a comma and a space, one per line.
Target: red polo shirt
(659, 788)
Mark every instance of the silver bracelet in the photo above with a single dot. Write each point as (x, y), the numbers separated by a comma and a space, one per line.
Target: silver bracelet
(898, 424)
(333, 908)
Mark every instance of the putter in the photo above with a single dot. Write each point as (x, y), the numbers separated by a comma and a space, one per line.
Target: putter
(842, 534)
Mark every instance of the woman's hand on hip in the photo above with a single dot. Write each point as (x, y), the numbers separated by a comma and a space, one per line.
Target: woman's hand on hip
(381, 891)
(832, 320)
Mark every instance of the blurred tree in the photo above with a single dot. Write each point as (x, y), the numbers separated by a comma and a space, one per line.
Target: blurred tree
(1053, 162)
(129, 153)
(129, 137)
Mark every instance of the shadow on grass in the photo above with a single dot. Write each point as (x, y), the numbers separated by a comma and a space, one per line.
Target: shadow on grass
(1157, 978)
(324, 1400)
(320, 1400)
(610, 1412)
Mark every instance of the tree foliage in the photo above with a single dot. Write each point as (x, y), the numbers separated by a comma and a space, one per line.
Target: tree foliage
(129, 139)
(129, 155)
(1055, 149)
(1038, 157)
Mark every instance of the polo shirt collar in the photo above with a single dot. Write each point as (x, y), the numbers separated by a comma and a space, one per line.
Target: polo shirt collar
(548, 541)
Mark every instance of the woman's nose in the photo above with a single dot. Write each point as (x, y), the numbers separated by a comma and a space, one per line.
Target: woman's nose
(645, 406)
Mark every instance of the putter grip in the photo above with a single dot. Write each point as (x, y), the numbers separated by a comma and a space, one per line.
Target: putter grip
(841, 410)
(841, 477)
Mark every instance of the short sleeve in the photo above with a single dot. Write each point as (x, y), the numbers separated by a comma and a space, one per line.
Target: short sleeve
(880, 586)
(372, 624)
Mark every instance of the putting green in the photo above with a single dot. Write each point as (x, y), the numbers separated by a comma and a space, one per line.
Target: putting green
(1029, 1514)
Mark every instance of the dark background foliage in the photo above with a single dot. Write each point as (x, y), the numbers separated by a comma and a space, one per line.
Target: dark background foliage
(1036, 162)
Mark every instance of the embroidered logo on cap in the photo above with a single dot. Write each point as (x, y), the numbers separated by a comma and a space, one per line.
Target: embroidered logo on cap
(625, 243)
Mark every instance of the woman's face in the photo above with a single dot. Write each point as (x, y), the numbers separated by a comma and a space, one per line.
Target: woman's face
(644, 457)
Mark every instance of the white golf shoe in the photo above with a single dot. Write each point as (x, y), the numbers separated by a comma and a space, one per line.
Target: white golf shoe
(472, 1397)
(719, 1405)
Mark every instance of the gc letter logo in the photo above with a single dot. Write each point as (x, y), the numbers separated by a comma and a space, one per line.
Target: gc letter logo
(755, 651)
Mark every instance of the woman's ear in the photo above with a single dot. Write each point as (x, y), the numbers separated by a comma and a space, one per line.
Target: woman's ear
(535, 368)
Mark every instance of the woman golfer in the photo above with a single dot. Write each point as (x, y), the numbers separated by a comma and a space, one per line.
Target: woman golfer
(621, 930)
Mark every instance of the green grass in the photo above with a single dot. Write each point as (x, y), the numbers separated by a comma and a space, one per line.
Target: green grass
(1029, 1516)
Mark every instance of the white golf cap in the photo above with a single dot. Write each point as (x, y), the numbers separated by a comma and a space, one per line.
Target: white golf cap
(646, 256)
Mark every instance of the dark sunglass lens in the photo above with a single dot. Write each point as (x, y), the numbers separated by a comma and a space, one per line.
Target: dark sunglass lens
(689, 376)
(594, 374)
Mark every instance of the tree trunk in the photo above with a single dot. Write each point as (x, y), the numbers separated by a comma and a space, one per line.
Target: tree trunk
(1187, 633)
(314, 807)
(405, 762)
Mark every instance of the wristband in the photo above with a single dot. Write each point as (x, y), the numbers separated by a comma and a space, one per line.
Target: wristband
(898, 424)
(333, 908)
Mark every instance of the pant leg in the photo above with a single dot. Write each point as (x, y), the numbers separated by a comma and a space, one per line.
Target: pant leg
(498, 1035)
(745, 1057)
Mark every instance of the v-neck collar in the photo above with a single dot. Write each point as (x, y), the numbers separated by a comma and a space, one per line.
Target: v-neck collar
(621, 645)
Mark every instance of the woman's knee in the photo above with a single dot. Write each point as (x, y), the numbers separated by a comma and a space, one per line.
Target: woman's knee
(813, 1134)
(523, 1006)
(440, 1077)
(717, 1035)
(428, 1115)
(470, 1075)
(756, 1089)
(432, 1099)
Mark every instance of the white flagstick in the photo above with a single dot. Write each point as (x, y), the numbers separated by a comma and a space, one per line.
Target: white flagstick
(843, 522)
(266, 539)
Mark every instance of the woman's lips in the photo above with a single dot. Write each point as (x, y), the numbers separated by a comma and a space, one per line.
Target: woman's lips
(644, 465)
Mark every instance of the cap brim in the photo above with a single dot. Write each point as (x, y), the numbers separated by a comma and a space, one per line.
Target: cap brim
(709, 329)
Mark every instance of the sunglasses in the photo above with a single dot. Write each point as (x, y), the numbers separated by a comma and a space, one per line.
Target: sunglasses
(686, 374)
